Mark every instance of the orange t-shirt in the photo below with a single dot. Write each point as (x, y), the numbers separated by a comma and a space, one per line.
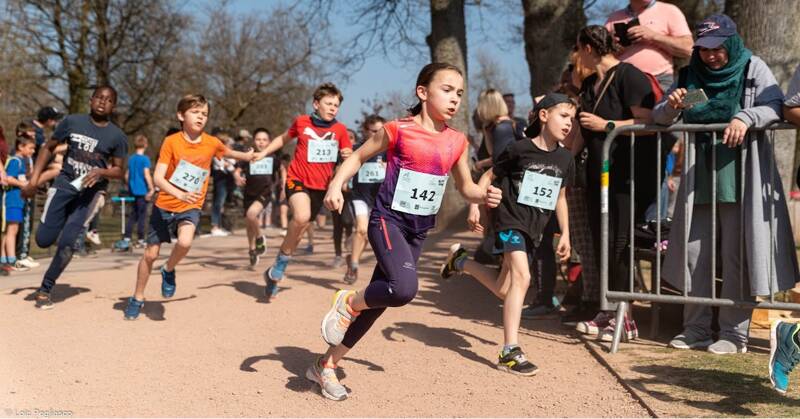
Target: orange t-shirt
(176, 148)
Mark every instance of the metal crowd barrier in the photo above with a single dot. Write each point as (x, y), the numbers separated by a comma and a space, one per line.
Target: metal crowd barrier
(607, 296)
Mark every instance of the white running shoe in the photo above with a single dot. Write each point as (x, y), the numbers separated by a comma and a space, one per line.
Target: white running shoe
(93, 237)
(218, 232)
(28, 262)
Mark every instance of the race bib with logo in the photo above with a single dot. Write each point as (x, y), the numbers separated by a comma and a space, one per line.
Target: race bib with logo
(418, 193)
(371, 173)
(322, 151)
(188, 177)
(261, 167)
(538, 190)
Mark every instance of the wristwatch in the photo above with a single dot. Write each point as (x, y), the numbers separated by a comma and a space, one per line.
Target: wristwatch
(610, 125)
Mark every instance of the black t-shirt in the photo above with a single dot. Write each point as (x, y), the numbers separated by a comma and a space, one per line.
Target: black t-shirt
(510, 168)
(629, 88)
(88, 147)
(258, 185)
(367, 192)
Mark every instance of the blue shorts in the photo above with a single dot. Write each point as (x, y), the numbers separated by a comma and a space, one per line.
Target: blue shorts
(14, 215)
(164, 224)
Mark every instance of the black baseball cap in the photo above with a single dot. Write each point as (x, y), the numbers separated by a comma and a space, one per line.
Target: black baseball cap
(47, 113)
(547, 102)
(713, 31)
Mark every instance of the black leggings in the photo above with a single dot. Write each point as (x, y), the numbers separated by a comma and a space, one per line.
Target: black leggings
(342, 223)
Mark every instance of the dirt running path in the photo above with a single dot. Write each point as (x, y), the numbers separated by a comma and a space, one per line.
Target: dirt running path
(218, 349)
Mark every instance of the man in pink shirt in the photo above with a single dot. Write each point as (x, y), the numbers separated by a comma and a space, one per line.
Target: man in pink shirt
(660, 35)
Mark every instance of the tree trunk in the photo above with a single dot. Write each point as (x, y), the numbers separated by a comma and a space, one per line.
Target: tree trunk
(769, 29)
(448, 43)
(550, 30)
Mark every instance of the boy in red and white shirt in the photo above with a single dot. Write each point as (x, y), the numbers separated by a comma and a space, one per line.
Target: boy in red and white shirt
(320, 141)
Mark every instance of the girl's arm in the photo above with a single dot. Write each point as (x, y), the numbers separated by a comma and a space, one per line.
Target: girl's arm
(471, 191)
(12, 181)
(378, 143)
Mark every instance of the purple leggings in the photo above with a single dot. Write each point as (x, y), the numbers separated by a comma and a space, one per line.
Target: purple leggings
(394, 280)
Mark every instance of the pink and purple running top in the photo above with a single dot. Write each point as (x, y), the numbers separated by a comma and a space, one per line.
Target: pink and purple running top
(412, 147)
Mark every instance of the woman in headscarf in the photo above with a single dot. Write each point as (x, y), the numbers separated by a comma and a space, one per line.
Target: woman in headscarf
(743, 93)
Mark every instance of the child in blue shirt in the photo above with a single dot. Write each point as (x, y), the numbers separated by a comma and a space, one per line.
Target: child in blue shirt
(13, 204)
(140, 186)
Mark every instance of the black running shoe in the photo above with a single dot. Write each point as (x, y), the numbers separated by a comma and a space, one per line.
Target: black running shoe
(515, 362)
(261, 245)
(455, 255)
(43, 301)
(254, 257)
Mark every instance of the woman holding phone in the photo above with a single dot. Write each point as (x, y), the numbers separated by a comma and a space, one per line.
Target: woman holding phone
(741, 92)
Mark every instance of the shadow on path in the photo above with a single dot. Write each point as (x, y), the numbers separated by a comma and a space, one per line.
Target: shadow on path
(154, 310)
(296, 360)
(59, 293)
(439, 337)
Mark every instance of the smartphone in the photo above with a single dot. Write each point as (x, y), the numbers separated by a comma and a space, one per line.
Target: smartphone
(694, 97)
(621, 31)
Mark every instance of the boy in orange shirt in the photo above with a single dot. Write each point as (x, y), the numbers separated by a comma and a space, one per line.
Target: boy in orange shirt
(182, 175)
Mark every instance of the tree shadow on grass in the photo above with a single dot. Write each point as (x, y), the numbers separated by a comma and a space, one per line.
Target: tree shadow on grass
(439, 337)
(152, 309)
(296, 360)
(734, 389)
(59, 293)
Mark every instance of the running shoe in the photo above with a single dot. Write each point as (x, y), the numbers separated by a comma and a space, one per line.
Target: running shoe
(629, 332)
(93, 237)
(43, 301)
(338, 318)
(19, 267)
(218, 232)
(29, 262)
(309, 250)
(328, 382)
(167, 283)
(727, 347)
(338, 261)
(254, 257)
(515, 362)
(6, 268)
(140, 244)
(133, 308)
(454, 257)
(783, 353)
(351, 276)
(594, 326)
(271, 290)
(4, 272)
(539, 311)
(261, 245)
(690, 340)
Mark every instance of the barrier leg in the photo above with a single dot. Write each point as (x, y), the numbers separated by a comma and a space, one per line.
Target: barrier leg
(655, 318)
(619, 326)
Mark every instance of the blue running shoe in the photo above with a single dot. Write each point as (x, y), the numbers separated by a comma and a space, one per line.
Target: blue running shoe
(783, 353)
(133, 309)
(275, 272)
(167, 283)
(271, 290)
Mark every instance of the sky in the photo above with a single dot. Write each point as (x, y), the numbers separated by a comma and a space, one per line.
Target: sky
(492, 30)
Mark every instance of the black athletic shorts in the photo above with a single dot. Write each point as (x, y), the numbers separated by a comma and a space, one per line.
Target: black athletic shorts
(316, 196)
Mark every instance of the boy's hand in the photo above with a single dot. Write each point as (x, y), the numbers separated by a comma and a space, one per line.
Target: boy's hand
(148, 196)
(189, 197)
(345, 153)
(240, 180)
(474, 219)
(563, 250)
(260, 155)
(334, 200)
(493, 196)
(91, 178)
(28, 191)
